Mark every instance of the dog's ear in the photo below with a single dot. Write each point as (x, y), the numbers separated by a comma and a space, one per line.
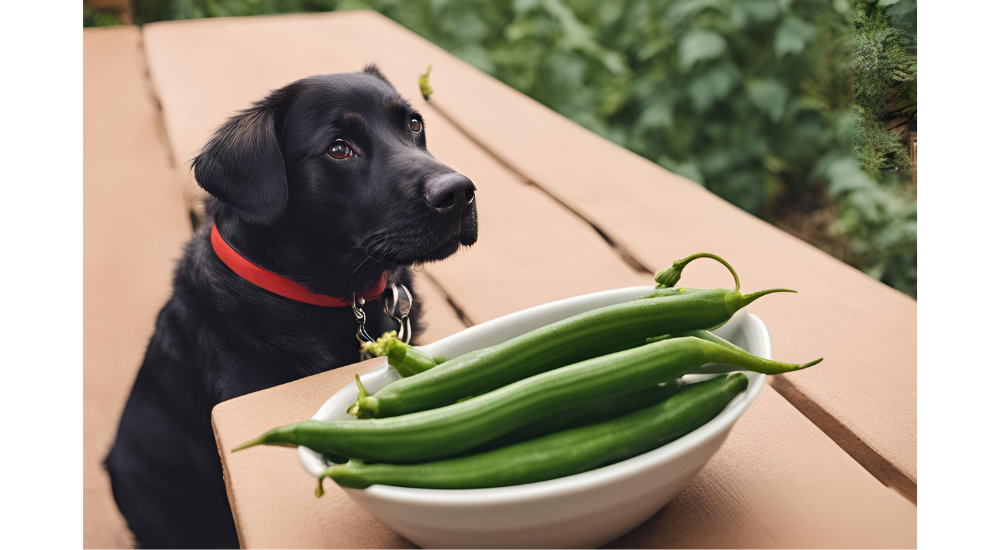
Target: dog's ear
(243, 166)
(373, 70)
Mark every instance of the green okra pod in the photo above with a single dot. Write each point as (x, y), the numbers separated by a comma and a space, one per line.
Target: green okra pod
(559, 454)
(453, 429)
(589, 413)
(703, 334)
(594, 333)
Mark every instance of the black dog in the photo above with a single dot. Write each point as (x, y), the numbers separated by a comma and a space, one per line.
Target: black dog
(327, 182)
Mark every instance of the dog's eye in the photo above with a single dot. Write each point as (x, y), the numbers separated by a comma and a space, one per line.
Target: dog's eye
(416, 125)
(341, 150)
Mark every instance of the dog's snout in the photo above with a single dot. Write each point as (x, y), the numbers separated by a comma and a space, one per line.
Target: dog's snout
(450, 192)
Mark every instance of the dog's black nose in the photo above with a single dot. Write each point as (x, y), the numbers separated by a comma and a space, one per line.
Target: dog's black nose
(450, 192)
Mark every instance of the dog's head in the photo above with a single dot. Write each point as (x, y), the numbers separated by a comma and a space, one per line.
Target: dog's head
(333, 172)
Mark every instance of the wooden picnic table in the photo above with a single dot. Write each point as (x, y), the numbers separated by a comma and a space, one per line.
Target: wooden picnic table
(825, 457)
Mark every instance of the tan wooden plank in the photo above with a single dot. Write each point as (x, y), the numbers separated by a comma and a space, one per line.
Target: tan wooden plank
(134, 225)
(270, 493)
(864, 396)
(779, 482)
(531, 250)
(776, 482)
(438, 315)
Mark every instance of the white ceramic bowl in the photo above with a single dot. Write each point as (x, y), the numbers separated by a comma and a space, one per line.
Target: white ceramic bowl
(583, 510)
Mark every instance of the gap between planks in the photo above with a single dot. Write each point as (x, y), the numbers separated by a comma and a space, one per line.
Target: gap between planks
(870, 459)
(195, 215)
(456, 309)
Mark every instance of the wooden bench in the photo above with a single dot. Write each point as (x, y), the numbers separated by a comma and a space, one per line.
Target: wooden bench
(778, 481)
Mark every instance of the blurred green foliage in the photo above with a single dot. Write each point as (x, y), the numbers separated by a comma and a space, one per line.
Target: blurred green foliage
(100, 18)
(753, 99)
(878, 208)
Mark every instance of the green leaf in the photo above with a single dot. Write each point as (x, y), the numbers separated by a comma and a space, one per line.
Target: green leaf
(524, 6)
(712, 86)
(792, 36)
(845, 176)
(842, 7)
(700, 45)
(770, 96)
(757, 11)
(685, 9)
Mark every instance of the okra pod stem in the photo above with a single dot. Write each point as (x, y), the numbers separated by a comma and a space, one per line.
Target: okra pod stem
(406, 359)
(670, 276)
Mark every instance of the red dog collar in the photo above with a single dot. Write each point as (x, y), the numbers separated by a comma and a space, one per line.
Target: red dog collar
(282, 286)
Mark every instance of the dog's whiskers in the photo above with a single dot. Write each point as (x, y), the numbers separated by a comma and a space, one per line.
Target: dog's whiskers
(379, 239)
(385, 249)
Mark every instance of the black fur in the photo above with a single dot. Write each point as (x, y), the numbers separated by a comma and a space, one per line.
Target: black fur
(284, 202)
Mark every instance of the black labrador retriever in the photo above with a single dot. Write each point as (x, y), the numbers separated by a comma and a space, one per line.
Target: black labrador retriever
(327, 185)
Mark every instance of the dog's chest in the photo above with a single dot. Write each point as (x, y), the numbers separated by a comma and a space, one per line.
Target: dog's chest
(283, 352)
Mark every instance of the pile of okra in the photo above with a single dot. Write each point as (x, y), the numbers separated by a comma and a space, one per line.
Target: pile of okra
(590, 390)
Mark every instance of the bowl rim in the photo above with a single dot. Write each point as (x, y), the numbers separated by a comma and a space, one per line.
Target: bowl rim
(576, 483)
